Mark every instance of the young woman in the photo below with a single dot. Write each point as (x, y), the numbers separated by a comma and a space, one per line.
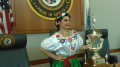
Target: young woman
(65, 43)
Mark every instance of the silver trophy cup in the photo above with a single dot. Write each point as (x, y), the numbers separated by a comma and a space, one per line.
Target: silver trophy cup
(95, 43)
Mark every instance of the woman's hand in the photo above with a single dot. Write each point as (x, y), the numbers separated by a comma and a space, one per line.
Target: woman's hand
(60, 57)
(84, 47)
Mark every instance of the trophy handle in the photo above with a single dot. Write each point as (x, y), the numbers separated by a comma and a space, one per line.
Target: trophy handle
(87, 41)
(101, 45)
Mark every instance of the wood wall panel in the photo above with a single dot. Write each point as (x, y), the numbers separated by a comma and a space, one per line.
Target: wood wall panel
(115, 50)
(26, 21)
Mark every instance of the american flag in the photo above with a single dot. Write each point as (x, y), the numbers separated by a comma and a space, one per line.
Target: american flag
(6, 17)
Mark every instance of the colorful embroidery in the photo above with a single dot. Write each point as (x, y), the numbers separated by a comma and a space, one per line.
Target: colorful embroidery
(72, 48)
(57, 35)
(75, 37)
(74, 32)
(62, 40)
(65, 41)
(70, 39)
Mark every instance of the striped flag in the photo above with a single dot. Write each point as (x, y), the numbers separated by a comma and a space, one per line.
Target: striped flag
(6, 17)
(89, 20)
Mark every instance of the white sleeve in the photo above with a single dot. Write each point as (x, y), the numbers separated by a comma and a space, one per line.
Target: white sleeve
(51, 44)
(80, 41)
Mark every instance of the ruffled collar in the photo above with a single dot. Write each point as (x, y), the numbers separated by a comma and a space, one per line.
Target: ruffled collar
(59, 36)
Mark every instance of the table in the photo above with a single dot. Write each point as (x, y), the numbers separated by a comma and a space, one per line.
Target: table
(90, 64)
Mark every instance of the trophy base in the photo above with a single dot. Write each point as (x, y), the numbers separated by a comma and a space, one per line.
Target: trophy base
(96, 57)
(99, 60)
(94, 62)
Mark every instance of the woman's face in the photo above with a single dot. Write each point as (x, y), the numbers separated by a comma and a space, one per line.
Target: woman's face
(65, 22)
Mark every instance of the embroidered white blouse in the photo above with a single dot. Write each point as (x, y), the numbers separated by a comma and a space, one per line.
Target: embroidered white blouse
(66, 46)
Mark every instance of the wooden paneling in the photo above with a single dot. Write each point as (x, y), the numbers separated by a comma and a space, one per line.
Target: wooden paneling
(36, 62)
(26, 21)
(115, 50)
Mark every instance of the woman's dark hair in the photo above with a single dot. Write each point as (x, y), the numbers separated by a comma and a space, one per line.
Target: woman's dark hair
(59, 18)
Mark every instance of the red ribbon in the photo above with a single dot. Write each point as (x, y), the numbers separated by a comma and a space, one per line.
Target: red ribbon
(65, 61)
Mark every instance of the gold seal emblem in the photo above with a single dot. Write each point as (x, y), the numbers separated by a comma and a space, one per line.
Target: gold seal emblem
(49, 9)
(7, 41)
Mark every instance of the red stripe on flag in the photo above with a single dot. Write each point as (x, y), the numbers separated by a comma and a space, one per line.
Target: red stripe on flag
(9, 6)
(8, 21)
(1, 24)
(11, 15)
(1, 16)
(12, 23)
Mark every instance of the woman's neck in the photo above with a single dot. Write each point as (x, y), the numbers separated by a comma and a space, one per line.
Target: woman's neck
(65, 32)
